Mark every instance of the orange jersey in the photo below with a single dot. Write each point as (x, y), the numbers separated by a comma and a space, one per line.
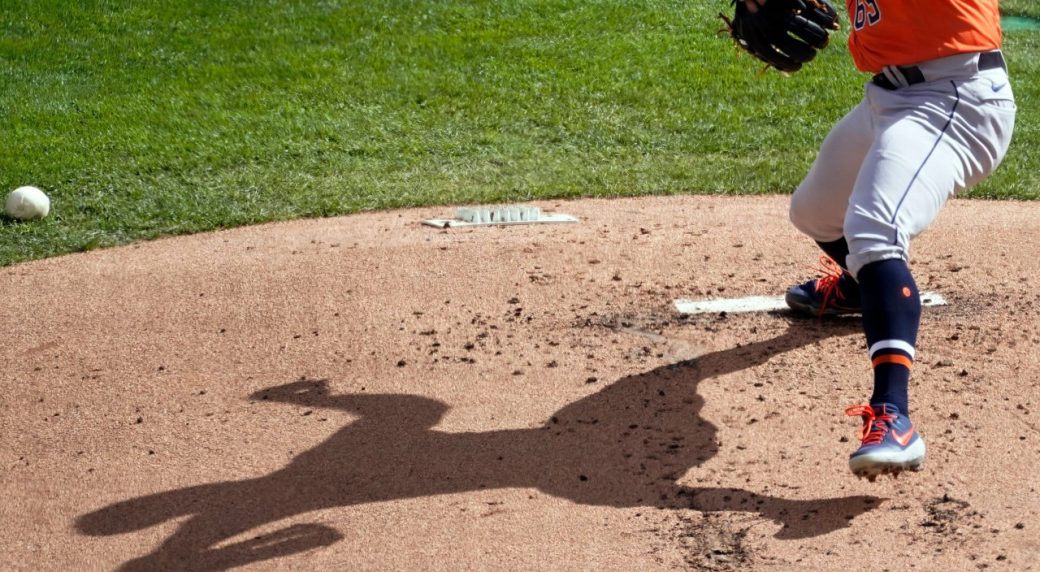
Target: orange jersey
(903, 32)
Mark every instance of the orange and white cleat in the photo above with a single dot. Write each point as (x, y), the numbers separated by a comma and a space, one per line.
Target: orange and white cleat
(889, 443)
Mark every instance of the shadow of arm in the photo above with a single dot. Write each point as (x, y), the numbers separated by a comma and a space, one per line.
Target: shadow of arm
(398, 409)
(799, 518)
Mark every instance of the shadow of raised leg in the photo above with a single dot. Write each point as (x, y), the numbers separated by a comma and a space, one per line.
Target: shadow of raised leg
(284, 542)
(143, 512)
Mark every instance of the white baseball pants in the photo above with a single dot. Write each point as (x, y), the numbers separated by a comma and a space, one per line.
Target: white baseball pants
(887, 168)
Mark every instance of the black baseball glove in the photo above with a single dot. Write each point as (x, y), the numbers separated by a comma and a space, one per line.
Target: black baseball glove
(783, 33)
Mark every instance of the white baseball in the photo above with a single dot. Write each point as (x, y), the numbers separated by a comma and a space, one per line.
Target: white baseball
(27, 202)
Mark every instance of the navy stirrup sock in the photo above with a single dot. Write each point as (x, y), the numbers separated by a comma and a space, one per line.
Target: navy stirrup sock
(891, 317)
(838, 250)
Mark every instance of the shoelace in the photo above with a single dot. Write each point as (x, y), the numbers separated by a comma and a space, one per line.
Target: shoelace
(874, 426)
(828, 283)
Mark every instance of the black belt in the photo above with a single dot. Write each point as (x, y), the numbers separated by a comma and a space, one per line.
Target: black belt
(913, 75)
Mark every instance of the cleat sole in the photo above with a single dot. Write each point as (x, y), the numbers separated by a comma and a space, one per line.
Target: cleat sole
(884, 463)
(872, 472)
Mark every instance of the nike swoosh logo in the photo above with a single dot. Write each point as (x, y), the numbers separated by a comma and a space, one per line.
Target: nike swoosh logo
(998, 86)
(903, 439)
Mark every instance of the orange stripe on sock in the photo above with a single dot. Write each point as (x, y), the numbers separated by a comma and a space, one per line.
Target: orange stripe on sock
(893, 358)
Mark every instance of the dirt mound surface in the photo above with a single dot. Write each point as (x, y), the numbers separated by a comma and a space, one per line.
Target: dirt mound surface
(368, 393)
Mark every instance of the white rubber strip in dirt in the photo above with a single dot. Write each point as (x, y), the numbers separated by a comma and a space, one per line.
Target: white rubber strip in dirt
(764, 304)
(456, 223)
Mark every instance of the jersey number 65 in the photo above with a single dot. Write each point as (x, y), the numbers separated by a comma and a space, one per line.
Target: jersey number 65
(867, 13)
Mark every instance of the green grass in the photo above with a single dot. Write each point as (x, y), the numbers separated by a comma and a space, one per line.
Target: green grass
(1020, 8)
(145, 119)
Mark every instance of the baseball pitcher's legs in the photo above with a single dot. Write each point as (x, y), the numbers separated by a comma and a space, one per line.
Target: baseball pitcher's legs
(819, 203)
(897, 196)
(891, 317)
(818, 209)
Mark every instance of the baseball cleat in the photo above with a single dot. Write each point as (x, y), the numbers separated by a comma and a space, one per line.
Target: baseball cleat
(889, 444)
(833, 294)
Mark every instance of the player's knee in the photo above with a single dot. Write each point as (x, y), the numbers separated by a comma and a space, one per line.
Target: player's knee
(872, 239)
(807, 217)
(800, 213)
